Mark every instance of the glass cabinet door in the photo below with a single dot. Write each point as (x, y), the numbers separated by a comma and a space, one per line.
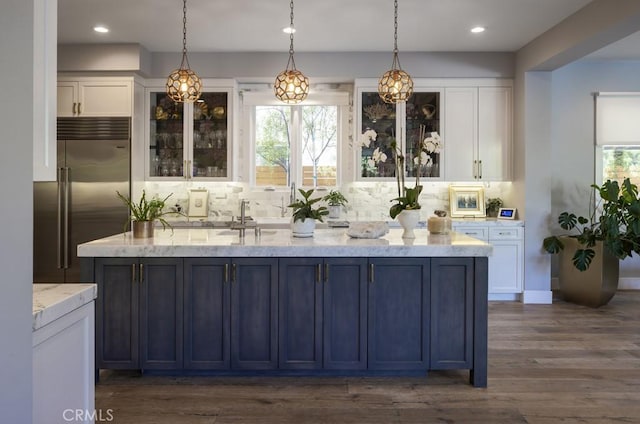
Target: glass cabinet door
(422, 150)
(166, 137)
(377, 134)
(210, 135)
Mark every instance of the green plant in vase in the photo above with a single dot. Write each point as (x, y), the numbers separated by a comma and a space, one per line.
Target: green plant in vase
(146, 210)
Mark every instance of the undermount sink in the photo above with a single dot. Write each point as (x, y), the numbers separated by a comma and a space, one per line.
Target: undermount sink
(248, 232)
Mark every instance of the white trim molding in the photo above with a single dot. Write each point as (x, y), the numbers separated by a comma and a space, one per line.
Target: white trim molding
(541, 297)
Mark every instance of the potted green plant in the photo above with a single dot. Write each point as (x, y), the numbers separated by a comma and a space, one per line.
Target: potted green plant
(144, 213)
(305, 214)
(493, 206)
(336, 201)
(592, 247)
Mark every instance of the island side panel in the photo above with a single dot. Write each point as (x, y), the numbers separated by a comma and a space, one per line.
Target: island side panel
(478, 375)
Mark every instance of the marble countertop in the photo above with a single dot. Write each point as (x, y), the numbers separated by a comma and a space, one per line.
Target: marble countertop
(201, 242)
(52, 301)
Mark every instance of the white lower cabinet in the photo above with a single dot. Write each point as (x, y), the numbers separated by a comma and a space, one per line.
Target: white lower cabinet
(506, 265)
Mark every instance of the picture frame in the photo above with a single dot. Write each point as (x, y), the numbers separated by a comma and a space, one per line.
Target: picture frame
(198, 203)
(507, 213)
(467, 201)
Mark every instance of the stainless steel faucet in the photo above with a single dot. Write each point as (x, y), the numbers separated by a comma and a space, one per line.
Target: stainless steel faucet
(243, 205)
(292, 196)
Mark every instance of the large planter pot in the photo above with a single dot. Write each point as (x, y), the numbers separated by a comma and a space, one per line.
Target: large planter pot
(595, 286)
(303, 228)
(408, 219)
(142, 229)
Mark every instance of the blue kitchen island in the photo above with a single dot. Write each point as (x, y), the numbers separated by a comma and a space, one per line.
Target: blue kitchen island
(204, 301)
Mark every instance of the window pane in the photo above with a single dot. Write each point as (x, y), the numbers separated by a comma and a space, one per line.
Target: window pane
(273, 145)
(620, 162)
(319, 145)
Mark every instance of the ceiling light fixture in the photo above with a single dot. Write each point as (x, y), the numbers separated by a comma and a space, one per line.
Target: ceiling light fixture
(478, 29)
(184, 85)
(101, 29)
(395, 85)
(291, 85)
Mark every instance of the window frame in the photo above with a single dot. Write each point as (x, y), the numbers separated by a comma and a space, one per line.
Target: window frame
(340, 99)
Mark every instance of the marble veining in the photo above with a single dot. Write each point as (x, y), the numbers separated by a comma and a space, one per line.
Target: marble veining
(334, 242)
(52, 301)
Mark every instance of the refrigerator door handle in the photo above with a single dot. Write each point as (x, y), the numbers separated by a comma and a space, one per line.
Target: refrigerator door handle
(59, 250)
(66, 217)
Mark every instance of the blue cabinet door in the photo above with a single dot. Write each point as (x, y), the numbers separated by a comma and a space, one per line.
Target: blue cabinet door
(117, 313)
(399, 314)
(300, 313)
(161, 313)
(345, 313)
(254, 313)
(452, 313)
(207, 305)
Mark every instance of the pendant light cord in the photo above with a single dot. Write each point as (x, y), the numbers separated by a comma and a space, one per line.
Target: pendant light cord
(291, 60)
(185, 59)
(396, 61)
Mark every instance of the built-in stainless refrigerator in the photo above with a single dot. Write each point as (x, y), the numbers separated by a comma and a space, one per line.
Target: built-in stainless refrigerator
(82, 205)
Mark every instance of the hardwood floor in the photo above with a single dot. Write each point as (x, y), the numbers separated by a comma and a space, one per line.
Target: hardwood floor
(559, 363)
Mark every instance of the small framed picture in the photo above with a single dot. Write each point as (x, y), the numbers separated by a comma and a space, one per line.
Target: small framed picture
(466, 201)
(198, 201)
(507, 213)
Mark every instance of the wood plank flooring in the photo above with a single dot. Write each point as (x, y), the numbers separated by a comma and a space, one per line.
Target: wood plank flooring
(548, 364)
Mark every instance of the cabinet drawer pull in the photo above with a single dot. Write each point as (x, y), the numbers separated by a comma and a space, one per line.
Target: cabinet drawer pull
(79, 108)
(233, 273)
(226, 273)
(133, 273)
(75, 108)
(184, 169)
(480, 169)
(371, 270)
(318, 272)
(141, 273)
(326, 272)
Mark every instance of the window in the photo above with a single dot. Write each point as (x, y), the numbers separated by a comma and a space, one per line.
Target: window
(295, 143)
(617, 137)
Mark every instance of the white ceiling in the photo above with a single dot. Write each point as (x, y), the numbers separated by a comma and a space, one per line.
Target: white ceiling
(323, 25)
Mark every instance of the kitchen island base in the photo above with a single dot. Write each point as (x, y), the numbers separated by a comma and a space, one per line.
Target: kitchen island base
(324, 316)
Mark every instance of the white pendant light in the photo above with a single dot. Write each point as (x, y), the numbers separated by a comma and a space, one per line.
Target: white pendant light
(395, 85)
(184, 85)
(291, 85)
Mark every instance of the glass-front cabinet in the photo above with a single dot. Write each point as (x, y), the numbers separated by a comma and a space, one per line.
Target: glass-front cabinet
(190, 140)
(413, 127)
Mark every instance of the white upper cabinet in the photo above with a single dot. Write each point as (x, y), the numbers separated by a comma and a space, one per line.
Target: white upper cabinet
(95, 97)
(478, 133)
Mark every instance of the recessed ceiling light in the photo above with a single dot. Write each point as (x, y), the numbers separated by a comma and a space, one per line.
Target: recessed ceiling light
(101, 29)
(478, 29)
(289, 30)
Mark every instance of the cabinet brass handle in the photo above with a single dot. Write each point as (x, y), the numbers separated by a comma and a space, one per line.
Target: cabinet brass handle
(475, 169)
(184, 169)
(318, 271)
(75, 108)
(371, 276)
(233, 273)
(226, 273)
(133, 273)
(480, 169)
(141, 273)
(189, 171)
(326, 273)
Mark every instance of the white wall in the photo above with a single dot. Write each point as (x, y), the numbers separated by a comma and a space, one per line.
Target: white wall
(572, 146)
(16, 170)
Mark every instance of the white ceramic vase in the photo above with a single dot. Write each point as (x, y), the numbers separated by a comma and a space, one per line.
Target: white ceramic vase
(303, 228)
(334, 211)
(408, 219)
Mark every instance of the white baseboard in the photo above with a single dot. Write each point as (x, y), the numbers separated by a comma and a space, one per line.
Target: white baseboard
(542, 297)
(629, 284)
(513, 297)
